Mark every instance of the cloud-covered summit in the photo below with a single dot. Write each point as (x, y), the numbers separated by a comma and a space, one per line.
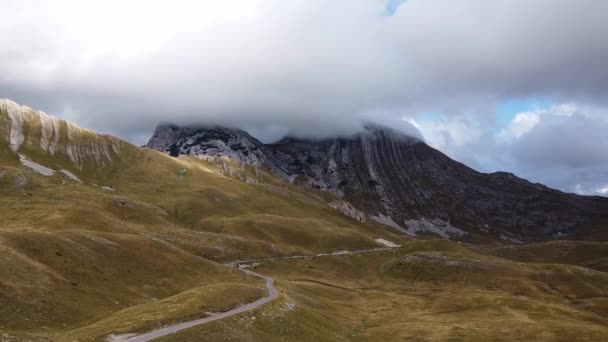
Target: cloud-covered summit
(304, 67)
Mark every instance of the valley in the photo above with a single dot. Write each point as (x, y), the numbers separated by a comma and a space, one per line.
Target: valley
(102, 240)
(422, 291)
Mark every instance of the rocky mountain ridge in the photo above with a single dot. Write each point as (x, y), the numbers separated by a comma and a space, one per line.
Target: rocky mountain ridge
(385, 176)
(379, 175)
(31, 132)
(208, 142)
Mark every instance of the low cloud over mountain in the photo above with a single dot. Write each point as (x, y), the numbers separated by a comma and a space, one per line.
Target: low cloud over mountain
(312, 68)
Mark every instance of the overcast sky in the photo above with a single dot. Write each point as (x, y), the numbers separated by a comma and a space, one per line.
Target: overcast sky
(513, 85)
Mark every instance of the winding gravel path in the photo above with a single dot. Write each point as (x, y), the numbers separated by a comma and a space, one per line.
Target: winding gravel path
(272, 295)
(240, 262)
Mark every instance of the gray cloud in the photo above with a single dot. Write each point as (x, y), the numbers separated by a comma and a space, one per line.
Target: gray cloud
(477, 48)
(563, 146)
(308, 67)
(567, 152)
(573, 142)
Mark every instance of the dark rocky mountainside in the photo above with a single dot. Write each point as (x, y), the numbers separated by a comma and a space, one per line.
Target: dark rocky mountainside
(399, 181)
(208, 142)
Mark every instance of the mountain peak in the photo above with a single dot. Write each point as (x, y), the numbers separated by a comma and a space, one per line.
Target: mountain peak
(207, 142)
(378, 131)
(370, 130)
(397, 180)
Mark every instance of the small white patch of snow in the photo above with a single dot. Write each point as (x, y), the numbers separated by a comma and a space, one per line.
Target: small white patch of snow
(70, 175)
(43, 170)
(108, 188)
(386, 243)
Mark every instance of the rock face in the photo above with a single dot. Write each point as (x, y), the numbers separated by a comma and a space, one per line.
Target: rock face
(399, 181)
(211, 142)
(26, 130)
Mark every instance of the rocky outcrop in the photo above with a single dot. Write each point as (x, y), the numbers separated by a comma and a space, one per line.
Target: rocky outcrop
(27, 130)
(399, 181)
(349, 210)
(21, 116)
(209, 142)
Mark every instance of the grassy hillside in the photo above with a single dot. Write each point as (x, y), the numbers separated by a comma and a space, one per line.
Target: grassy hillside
(135, 232)
(425, 291)
(118, 239)
(589, 254)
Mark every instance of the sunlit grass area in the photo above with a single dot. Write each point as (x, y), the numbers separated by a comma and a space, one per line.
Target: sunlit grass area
(424, 291)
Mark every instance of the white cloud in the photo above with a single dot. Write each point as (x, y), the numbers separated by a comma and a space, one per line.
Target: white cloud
(453, 135)
(521, 124)
(591, 190)
(568, 110)
(563, 146)
(443, 132)
(603, 190)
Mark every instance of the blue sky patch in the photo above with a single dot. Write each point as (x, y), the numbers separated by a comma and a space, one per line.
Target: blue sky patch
(507, 110)
(392, 6)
